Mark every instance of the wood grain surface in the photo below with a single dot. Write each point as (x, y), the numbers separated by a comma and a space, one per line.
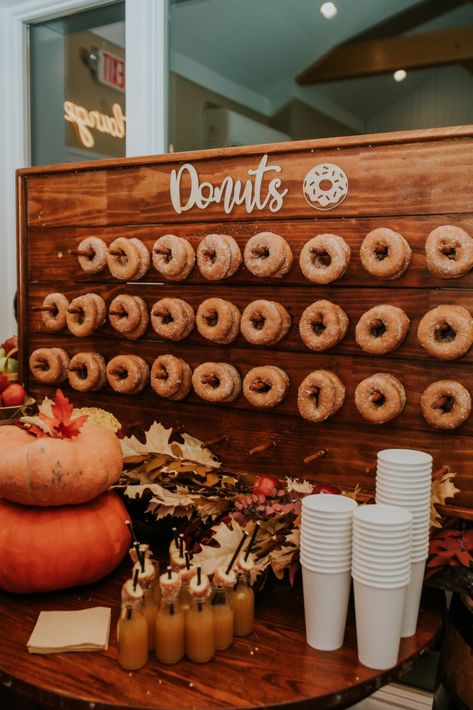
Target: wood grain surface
(409, 182)
(273, 667)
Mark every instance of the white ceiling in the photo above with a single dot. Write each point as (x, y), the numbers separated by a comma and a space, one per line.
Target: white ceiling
(260, 46)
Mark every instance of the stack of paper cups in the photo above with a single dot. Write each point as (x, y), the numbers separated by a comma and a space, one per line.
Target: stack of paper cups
(404, 479)
(326, 538)
(381, 570)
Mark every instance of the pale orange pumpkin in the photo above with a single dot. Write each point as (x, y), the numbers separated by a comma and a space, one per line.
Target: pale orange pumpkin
(50, 471)
(43, 549)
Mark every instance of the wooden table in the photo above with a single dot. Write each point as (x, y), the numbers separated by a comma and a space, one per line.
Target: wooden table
(271, 668)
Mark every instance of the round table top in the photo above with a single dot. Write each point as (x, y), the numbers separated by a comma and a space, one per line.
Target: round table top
(273, 667)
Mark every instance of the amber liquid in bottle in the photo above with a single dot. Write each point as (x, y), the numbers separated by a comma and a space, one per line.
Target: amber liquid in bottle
(243, 604)
(150, 610)
(132, 637)
(200, 631)
(224, 619)
(170, 638)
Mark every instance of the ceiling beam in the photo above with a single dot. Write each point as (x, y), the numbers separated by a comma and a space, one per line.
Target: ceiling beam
(382, 56)
(409, 19)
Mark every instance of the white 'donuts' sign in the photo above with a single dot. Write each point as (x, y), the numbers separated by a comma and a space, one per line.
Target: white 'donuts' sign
(254, 193)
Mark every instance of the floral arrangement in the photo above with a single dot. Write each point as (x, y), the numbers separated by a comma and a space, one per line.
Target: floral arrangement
(186, 482)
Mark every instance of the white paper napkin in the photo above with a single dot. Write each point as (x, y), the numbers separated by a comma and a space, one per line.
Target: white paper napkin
(59, 631)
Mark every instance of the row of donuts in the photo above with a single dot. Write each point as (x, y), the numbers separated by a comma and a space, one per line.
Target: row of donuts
(384, 254)
(446, 332)
(446, 404)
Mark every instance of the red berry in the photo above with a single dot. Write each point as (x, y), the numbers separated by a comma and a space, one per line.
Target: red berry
(265, 485)
(326, 488)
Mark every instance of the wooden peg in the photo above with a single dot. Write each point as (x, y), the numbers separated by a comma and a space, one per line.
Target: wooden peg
(441, 402)
(376, 397)
(260, 251)
(315, 455)
(120, 314)
(210, 380)
(218, 440)
(262, 447)
(80, 252)
(318, 251)
(44, 309)
(163, 252)
(116, 252)
(74, 310)
(258, 386)
(76, 368)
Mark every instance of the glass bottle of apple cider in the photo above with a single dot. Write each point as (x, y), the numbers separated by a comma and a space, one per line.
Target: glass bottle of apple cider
(146, 579)
(223, 612)
(132, 628)
(243, 599)
(170, 638)
(187, 573)
(200, 622)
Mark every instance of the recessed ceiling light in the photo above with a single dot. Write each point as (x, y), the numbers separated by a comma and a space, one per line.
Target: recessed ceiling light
(328, 10)
(399, 75)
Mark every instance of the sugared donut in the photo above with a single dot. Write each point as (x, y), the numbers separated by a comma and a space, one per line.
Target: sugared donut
(124, 259)
(324, 258)
(143, 321)
(124, 313)
(86, 372)
(446, 404)
(173, 257)
(96, 260)
(48, 365)
(172, 318)
(380, 398)
(82, 315)
(449, 252)
(322, 325)
(268, 255)
(385, 254)
(382, 329)
(145, 258)
(218, 320)
(216, 382)
(170, 377)
(320, 395)
(54, 318)
(446, 332)
(127, 374)
(101, 310)
(265, 386)
(218, 257)
(264, 322)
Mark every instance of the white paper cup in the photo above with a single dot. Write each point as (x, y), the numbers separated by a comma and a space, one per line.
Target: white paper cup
(327, 557)
(325, 568)
(403, 468)
(325, 607)
(381, 516)
(378, 624)
(399, 489)
(405, 457)
(380, 561)
(334, 505)
(325, 530)
(412, 603)
(333, 538)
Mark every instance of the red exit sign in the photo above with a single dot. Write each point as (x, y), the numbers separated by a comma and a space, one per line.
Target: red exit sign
(111, 70)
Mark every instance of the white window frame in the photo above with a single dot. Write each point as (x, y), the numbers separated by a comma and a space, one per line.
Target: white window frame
(146, 33)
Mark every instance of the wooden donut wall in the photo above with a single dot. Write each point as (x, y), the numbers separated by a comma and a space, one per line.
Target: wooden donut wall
(410, 182)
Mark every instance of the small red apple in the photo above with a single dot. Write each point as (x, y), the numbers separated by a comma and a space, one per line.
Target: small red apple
(13, 395)
(10, 344)
(326, 488)
(264, 485)
(4, 382)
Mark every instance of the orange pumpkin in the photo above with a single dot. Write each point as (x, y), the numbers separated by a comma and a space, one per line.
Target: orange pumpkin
(48, 471)
(43, 549)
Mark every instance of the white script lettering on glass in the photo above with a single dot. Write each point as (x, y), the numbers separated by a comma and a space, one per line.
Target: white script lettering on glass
(253, 193)
(86, 120)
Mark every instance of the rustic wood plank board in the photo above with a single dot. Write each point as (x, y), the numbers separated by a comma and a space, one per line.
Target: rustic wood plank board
(409, 182)
(413, 178)
(48, 259)
(355, 302)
